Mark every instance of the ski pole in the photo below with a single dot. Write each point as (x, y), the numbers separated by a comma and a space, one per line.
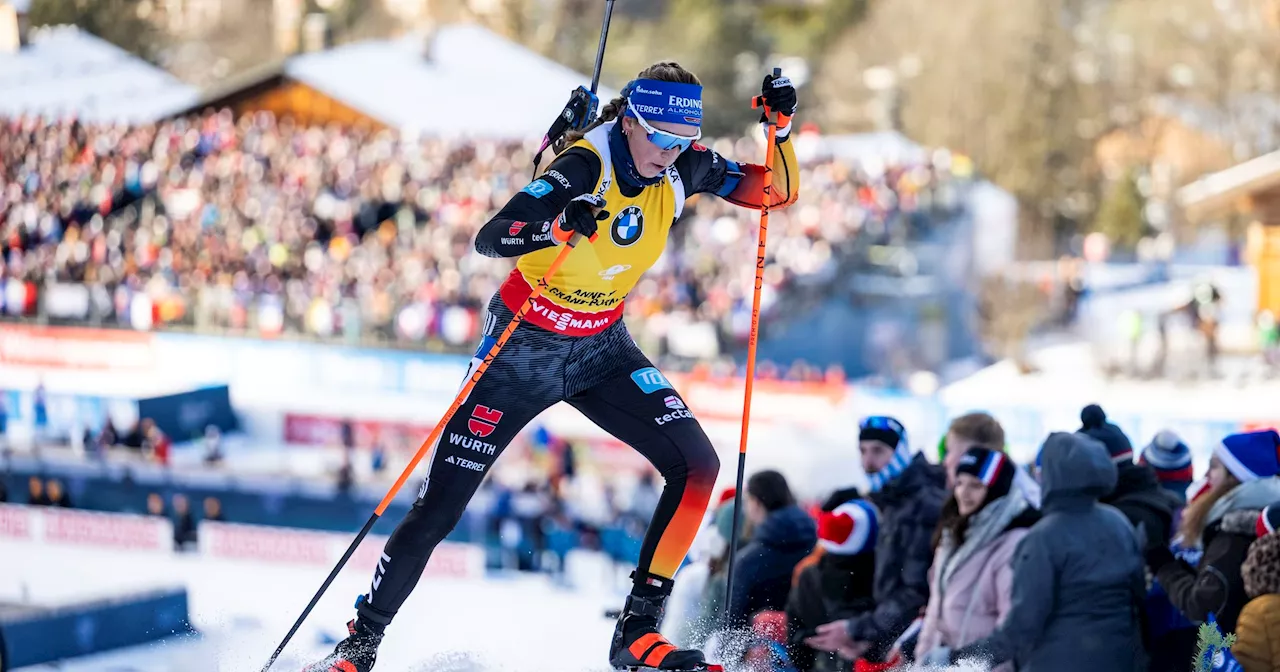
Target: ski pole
(604, 36)
(432, 438)
(772, 122)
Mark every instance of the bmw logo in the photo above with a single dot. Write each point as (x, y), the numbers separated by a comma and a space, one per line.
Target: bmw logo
(627, 226)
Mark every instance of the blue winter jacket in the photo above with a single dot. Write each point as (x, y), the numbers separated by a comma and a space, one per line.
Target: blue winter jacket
(762, 578)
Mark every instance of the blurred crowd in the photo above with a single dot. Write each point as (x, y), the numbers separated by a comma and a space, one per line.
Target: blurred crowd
(261, 226)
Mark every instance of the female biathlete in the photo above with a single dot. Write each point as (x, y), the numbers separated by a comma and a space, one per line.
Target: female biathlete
(627, 175)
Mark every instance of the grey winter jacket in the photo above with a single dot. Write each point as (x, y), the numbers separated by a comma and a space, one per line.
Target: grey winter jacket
(909, 509)
(1078, 575)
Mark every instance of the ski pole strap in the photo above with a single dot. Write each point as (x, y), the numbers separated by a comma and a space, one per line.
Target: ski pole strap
(577, 114)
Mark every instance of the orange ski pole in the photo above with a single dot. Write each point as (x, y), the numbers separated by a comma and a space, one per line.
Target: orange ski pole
(425, 448)
(772, 121)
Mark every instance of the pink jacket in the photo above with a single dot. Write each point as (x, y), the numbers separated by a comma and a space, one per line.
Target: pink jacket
(976, 595)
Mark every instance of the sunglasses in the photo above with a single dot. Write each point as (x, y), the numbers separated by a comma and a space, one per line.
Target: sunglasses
(880, 422)
(663, 140)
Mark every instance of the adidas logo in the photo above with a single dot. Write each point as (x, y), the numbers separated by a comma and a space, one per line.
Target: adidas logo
(464, 463)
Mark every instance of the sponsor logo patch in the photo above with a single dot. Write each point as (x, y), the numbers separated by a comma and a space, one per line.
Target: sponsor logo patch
(537, 188)
(564, 181)
(673, 416)
(483, 420)
(465, 464)
(562, 320)
(614, 270)
(627, 226)
(650, 380)
(472, 444)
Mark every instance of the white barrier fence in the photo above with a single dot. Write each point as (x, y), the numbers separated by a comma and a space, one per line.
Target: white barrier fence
(226, 541)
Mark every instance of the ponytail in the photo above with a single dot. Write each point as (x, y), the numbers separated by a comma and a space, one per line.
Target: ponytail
(612, 110)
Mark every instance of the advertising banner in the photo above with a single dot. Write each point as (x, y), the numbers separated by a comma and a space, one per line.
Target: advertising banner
(75, 348)
(85, 528)
(228, 541)
(323, 549)
(318, 430)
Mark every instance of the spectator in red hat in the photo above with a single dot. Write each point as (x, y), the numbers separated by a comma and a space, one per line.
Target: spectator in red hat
(839, 585)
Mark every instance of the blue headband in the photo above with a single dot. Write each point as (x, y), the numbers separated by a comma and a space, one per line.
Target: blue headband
(665, 101)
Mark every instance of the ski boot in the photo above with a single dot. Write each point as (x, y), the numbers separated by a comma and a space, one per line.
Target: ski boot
(638, 645)
(356, 653)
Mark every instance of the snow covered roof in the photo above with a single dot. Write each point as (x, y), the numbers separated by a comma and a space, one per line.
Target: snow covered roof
(1224, 188)
(464, 80)
(65, 71)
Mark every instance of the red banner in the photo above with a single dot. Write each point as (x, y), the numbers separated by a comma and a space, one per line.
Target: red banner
(263, 543)
(15, 522)
(318, 430)
(85, 528)
(70, 348)
(96, 529)
(323, 549)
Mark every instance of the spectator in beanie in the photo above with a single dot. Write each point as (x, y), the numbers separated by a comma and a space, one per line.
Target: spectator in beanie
(839, 584)
(965, 432)
(1171, 637)
(1138, 495)
(838, 497)
(972, 577)
(909, 492)
(1170, 458)
(783, 535)
(1078, 579)
(1257, 646)
(983, 431)
(1223, 523)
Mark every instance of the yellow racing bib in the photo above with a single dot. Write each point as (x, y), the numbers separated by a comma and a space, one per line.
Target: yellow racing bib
(586, 293)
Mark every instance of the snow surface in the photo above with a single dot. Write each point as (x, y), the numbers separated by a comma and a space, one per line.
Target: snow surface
(517, 623)
(243, 609)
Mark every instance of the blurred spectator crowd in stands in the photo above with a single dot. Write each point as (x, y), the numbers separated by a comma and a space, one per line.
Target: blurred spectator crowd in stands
(263, 227)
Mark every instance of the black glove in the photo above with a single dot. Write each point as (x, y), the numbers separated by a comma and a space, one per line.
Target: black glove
(580, 216)
(1158, 557)
(779, 96)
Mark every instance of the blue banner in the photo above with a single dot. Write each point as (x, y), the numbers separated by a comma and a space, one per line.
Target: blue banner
(185, 415)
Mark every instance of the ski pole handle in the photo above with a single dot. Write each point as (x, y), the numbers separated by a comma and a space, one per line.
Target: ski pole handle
(758, 102)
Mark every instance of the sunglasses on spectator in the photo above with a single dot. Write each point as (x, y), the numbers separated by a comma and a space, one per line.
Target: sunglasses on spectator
(880, 422)
(663, 140)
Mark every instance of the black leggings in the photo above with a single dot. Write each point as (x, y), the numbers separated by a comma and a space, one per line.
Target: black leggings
(608, 379)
